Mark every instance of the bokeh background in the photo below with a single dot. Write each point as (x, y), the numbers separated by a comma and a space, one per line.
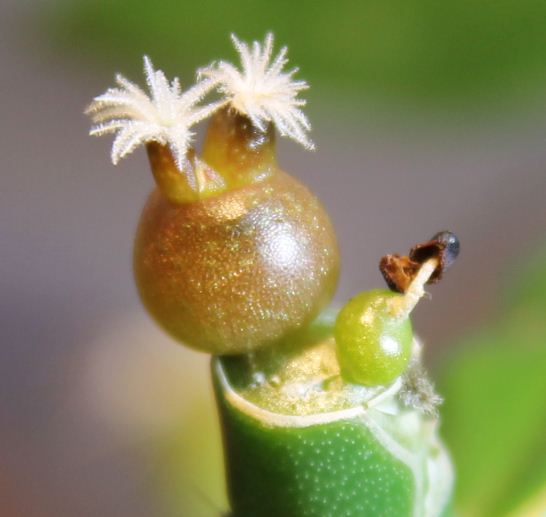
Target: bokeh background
(428, 115)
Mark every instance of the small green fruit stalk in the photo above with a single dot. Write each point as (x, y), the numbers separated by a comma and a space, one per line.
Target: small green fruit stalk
(343, 421)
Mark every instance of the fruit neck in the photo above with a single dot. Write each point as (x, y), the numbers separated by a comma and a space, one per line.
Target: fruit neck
(238, 150)
(197, 181)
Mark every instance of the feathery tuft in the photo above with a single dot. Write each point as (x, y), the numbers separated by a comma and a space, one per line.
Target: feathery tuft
(164, 116)
(261, 90)
(418, 391)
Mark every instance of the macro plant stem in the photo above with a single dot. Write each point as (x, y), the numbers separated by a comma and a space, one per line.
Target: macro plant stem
(236, 258)
(332, 450)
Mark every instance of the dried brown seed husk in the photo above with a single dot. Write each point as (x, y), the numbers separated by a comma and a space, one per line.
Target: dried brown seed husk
(420, 253)
(398, 271)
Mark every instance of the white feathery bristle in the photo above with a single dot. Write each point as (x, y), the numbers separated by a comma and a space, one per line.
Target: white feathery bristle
(164, 116)
(261, 90)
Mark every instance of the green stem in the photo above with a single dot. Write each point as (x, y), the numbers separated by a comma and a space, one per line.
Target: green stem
(367, 459)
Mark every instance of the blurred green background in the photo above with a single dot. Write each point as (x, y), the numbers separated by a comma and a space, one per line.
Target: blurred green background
(427, 115)
(458, 53)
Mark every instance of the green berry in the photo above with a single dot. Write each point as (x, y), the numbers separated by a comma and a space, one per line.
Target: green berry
(373, 347)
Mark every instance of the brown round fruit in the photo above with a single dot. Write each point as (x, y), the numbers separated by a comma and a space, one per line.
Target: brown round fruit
(238, 271)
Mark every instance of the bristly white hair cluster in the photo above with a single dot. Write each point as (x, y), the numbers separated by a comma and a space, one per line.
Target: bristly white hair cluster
(417, 390)
(165, 116)
(261, 90)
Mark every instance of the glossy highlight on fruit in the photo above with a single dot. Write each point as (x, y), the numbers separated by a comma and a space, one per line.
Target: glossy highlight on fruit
(373, 347)
(237, 271)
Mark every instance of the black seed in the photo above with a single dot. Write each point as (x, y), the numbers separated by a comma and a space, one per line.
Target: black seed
(452, 246)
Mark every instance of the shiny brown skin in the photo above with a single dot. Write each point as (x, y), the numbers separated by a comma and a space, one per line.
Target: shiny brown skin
(238, 271)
